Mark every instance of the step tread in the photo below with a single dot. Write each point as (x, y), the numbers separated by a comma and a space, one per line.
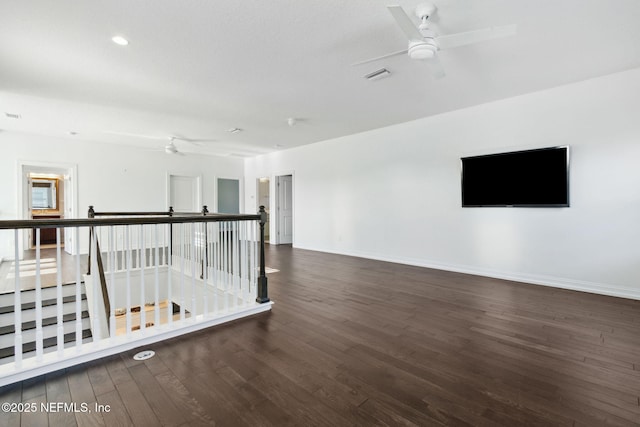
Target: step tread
(43, 288)
(46, 343)
(69, 317)
(45, 303)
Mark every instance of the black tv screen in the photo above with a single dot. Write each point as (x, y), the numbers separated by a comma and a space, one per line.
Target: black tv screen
(531, 178)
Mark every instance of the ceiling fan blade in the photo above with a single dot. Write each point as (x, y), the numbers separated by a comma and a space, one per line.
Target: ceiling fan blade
(389, 55)
(405, 23)
(476, 36)
(437, 70)
(194, 141)
(188, 141)
(134, 135)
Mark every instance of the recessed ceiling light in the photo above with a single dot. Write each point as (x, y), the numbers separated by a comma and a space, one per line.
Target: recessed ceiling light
(72, 133)
(120, 40)
(234, 130)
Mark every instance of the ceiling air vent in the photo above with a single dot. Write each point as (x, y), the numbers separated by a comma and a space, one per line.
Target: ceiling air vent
(378, 74)
(12, 116)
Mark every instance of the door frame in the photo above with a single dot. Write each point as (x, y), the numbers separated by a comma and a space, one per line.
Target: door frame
(26, 167)
(198, 179)
(274, 229)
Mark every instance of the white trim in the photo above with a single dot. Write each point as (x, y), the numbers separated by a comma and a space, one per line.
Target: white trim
(533, 279)
(121, 345)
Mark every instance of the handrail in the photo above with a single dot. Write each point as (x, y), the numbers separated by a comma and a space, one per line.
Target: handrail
(93, 213)
(91, 222)
(103, 280)
(204, 216)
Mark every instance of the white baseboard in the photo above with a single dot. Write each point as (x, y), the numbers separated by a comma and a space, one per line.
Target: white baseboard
(555, 282)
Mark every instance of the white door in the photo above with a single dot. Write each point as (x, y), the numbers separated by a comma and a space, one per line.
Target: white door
(184, 193)
(285, 209)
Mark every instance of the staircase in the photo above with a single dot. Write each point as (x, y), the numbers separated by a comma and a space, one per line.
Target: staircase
(49, 320)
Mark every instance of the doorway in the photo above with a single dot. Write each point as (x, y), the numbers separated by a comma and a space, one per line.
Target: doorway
(46, 199)
(284, 209)
(47, 190)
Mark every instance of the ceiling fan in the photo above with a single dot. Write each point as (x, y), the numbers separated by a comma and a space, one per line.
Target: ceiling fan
(170, 148)
(424, 43)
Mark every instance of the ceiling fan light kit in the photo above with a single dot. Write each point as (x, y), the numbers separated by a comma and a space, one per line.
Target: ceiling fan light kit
(422, 50)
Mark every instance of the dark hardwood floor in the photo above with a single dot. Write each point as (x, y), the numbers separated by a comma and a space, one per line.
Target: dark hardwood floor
(359, 342)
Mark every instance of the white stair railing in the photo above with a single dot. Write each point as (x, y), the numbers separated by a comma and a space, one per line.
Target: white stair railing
(149, 278)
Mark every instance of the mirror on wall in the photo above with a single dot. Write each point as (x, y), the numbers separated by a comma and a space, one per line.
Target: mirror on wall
(44, 194)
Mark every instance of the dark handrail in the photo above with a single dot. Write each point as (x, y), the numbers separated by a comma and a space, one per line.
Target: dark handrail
(103, 280)
(92, 222)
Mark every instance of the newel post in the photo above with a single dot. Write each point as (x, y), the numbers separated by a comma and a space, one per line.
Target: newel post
(262, 279)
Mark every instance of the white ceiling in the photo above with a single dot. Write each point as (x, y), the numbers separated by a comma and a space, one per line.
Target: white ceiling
(195, 68)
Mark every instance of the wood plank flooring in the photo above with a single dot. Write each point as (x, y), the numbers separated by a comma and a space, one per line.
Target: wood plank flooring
(358, 342)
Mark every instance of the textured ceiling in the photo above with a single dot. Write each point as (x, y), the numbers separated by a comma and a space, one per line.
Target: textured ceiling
(196, 68)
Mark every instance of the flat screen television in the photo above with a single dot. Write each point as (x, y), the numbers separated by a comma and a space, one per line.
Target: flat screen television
(531, 178)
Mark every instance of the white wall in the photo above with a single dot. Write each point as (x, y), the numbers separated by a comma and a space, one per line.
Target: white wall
(110, 177)
(394, 193)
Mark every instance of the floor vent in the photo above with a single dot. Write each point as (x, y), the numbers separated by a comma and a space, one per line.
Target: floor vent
(144, 355)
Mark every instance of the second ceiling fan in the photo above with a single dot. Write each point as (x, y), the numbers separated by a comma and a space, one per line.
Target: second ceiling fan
(424, 43)
(169, 148)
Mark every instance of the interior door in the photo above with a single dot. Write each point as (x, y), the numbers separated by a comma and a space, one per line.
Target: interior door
(228, 196)
(285, 209)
